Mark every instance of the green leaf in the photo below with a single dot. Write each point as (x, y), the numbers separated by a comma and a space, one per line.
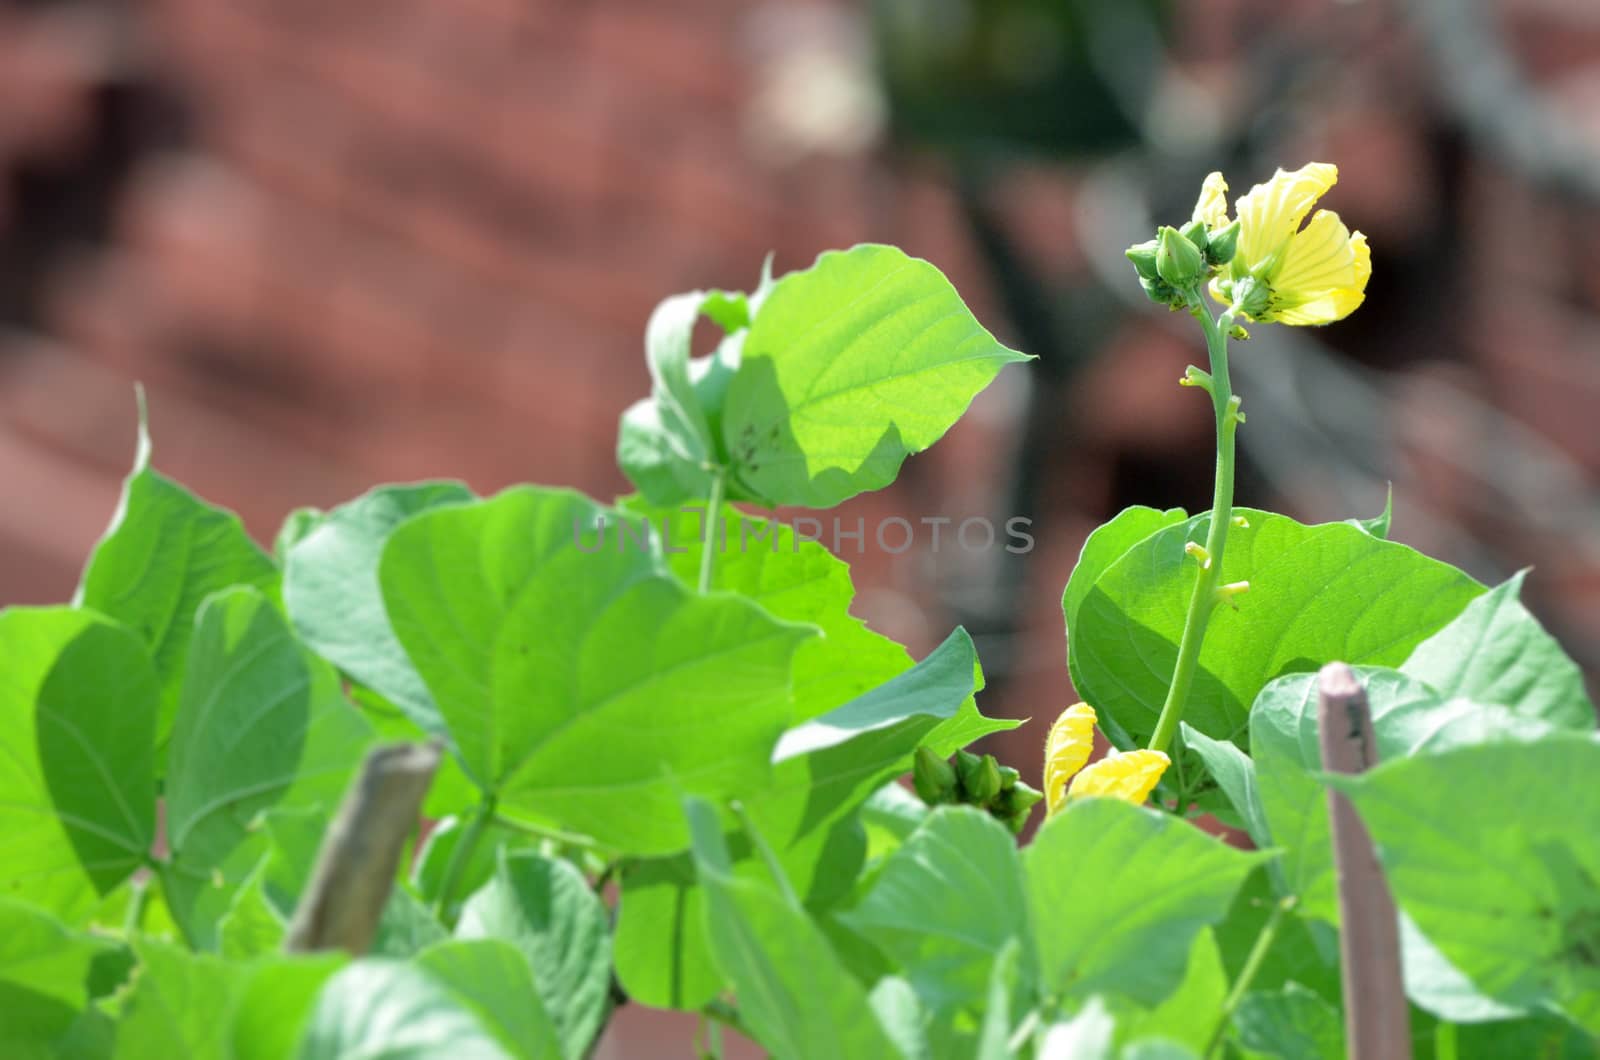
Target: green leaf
(380, 1007)
(662, 954)
(793, 578)
(541, 652)
(1101, 549)
(495, 978)
(1509, 820)
(1496, 652)
(1407, 718)
(331, 591)
(1118, 894)
(946, 904)
(1293, 1023)
(44, 969)
(793, 992)
(1187, 1015)
(262, 724)
(407, 927)
(297, 526)
(1235, 774)
(827, 769)
(901, 1014)
(78, 702)
(546, 909)
(252, 926)
(274, 1004)
(1317, 593)
(176, 1004)
(849, 367)
(665, 444)
(164, 552)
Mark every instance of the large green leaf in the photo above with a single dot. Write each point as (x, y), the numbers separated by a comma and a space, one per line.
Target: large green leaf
(850, 366)
(1101, 549)
(946, 904)
(495, 978)
(826, 769)
(262, 724)
(1492, 850)
(260, 718)
(1408, 717)
(379, 1007)
(331, 591)
(1118, 894)
(78, 703)
(177, 1004)
(164, 552)
(274, 1004)
(1496, 652)
(1317, 593)
(793, 992)
(547, 910)
(44, 972)
(796, 579)
(586, 688)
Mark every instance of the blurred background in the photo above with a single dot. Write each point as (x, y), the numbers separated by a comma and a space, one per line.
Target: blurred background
(360, 242)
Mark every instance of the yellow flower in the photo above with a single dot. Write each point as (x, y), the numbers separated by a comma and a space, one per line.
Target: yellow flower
(1127, 775)
(1314, 275)
(1213, 205)
(1068, 747)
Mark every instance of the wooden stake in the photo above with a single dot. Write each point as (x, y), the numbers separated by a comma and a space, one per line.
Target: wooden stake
(359, 856)
(1376, 1023)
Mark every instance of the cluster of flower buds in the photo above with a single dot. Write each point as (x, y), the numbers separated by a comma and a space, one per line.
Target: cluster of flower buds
(974, 780)
(1171, 264)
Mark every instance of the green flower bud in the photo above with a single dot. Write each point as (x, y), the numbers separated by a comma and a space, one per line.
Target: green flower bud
(1008, 778)
(1223, 244)
(932, 777)
(1251, 296)
(1143, 256)
(1178, 261)
(984, 784)
(1160, 293)
(1195, 232)
(1016, 805)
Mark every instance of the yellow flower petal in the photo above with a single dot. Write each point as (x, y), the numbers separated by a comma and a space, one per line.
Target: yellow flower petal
(1270, 213)
(1128, 775)
(1319, 258)
(1067, 748)
(1213, 205)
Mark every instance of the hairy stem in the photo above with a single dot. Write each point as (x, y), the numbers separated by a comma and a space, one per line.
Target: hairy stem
(1204, 599)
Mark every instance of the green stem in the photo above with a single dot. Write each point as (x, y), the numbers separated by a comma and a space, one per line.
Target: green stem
(133, 922)
(1204, 599)
(462, 855)
(713, 523)
(1247, 974)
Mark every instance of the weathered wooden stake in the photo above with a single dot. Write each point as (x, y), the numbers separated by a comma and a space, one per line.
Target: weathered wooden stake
(1376, 1023)
(359, 856)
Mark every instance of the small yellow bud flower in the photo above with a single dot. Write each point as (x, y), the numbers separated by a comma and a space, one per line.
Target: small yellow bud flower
(1198, 551)
(1127, 775)
(1241, 522)
(1213, 205)
(1281, 272)
(1068, 747)
(1231, 591)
